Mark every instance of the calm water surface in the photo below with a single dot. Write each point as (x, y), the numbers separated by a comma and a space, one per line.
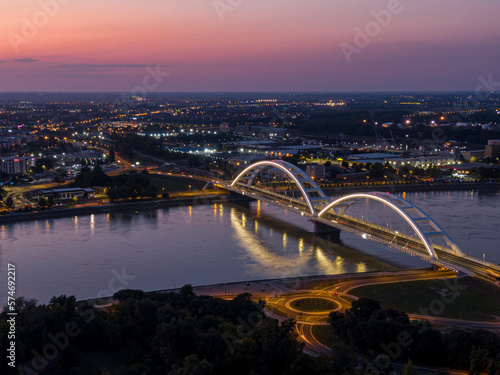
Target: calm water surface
(90, 256)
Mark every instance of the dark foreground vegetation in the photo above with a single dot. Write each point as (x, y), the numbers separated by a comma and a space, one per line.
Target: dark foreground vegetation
(157, 333)
(387, 335)
(184, 334)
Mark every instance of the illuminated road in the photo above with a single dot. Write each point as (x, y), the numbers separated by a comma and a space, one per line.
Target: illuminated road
(338, 292)
(278, 296)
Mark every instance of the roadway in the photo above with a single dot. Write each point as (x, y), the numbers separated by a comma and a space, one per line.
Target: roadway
(279, 294)
(410, 245)
(339, 294)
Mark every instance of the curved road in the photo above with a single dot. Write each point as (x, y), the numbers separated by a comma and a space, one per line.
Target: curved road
(338, 293)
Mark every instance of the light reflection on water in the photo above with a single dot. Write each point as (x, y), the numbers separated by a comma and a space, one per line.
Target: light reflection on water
(469, 217)
(168, 248)
(216, 244)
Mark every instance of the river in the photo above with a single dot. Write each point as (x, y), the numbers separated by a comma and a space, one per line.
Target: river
(93, 256)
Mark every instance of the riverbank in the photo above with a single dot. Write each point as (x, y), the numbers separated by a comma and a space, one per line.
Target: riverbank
(268, 288)
(54, 213)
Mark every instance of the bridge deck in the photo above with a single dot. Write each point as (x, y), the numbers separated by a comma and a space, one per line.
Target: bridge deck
(398, 241)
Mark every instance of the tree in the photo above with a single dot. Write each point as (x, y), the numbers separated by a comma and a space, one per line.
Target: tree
(478, 361)
(9, 203)
(303, 365)
(60, 175)
(363, 308)
(193, 366)
(493, 368)
(43, 164)
(150, 191)
(410, 369)
(2, 193)
(187, 291)
(96, 177)
(377, 171)
(194, 161)
(124, 294)
(343, 359)
(112, 156)
(42, 202)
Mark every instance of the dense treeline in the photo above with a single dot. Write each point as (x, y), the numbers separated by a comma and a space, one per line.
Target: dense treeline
(184, 334)
(92, 177)
(157, 333)
(132, 185)
(376, 332)
(154, 147)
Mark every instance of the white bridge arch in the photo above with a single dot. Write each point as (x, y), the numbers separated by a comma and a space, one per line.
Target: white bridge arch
(301, 179)
(314, 204)
(413, 215)
(319, 203)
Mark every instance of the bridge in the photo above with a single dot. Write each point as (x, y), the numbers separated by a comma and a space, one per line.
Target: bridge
(401, 225)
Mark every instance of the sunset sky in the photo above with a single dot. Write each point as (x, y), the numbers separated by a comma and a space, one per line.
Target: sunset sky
(256, 45)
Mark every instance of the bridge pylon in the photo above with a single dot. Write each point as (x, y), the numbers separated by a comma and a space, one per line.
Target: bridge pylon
(326, 232)
(425, 240)
(239, 199)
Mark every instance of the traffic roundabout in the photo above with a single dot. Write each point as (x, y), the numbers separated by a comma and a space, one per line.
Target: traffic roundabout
(310, 305)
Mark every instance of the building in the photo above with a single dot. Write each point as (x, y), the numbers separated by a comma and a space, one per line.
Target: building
(492, 149)
(14, 165)
(66, 194)
(474, 155)
(224, 127)
(316, 171)
(352, 176)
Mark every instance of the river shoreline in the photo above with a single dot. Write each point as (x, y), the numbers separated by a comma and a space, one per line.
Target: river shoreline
(256, 286)
(110, 208)
(54, 213)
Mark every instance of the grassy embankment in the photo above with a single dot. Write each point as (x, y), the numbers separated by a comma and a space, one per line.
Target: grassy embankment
(476, 300)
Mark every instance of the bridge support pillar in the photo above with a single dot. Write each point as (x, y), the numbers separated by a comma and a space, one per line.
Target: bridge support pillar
(327, 232)
(239, 199)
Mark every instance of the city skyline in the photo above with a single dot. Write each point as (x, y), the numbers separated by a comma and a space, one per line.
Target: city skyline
(73, 46)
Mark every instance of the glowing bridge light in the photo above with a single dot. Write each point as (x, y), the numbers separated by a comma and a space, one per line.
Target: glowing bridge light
(388, 201)
(291, 171)
(247, 180)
